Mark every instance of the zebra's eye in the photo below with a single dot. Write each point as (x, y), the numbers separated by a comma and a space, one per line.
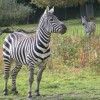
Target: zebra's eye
(51, 19)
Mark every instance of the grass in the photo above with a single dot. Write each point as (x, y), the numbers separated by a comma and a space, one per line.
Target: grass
(64, 84)
(73, 72)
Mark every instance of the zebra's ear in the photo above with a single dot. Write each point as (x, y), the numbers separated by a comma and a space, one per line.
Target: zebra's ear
(84, 17)
(46, 10)
(51, 10)
(81, 17)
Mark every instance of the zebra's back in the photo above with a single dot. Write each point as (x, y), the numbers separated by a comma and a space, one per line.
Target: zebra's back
(90, 28)
(92, 25)
(15, 46)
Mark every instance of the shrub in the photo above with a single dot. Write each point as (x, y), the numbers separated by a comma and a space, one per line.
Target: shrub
(12, 13)
(74, 52)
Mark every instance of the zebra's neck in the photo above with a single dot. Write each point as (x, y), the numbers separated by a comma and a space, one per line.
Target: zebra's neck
(86, 24)
(43, 37)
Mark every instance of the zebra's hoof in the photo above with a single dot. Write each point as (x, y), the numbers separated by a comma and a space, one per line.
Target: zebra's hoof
(38, 94)
(29, 95)
(5, 92)
(15, 92)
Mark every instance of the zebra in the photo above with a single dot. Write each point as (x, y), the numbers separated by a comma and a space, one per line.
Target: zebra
(89, 27)
(31, 50)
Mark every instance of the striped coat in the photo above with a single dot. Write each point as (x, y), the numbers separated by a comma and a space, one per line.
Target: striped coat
(89, 27)
(30, 50)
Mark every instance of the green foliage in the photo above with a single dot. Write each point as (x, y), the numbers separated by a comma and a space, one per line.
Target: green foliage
(23, 1)
(11, 12)
(60, 3)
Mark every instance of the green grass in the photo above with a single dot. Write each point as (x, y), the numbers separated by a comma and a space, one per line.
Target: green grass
(64, 84)
(75, 63)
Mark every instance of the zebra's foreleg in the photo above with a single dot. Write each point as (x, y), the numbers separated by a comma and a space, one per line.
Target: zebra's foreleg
(31, 79)
(6, 76)
(93, 33)
(88, 34)
(14, 75)
(39, 76)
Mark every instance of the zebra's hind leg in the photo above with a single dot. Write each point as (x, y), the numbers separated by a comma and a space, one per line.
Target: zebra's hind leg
(14, 75)
(39, 76)
(6, 74)
(31, 79)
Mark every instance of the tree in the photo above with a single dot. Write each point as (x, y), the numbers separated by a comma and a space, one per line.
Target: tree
(24, 1)
(61, 3)
(86, 6)
(11, 12)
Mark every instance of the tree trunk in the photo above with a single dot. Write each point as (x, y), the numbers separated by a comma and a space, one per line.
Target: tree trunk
(82, 10)
(87, 10)
(9, 30)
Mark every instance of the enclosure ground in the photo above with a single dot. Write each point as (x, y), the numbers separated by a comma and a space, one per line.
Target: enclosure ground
(67, 96)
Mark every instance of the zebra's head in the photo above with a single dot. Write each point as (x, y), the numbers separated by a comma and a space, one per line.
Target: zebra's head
(51, 22)
(84, 21)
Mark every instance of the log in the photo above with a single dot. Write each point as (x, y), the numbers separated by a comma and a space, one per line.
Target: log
(9, 30)
(5, 30)
(25, 31)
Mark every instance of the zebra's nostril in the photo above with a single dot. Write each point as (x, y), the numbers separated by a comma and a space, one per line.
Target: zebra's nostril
(64, 28)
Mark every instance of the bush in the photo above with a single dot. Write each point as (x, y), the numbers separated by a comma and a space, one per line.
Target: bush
(12, 13)
(75, 52)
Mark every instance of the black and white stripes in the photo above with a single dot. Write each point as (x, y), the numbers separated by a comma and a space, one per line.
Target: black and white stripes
(89, 27)
(30, 50)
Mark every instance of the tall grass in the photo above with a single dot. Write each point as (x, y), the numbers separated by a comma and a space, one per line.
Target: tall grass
(75, 49)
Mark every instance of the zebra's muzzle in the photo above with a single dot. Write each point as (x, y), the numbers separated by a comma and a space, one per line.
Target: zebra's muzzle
(64, 29)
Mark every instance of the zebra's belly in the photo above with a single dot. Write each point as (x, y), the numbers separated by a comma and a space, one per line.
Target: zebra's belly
(27, 62)
(19, 59)
(23, 56)
(37, 59)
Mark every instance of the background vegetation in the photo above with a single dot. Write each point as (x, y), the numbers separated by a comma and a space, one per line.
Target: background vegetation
(73, 71)
(62, 3)
(13, 13)
(29, 11)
